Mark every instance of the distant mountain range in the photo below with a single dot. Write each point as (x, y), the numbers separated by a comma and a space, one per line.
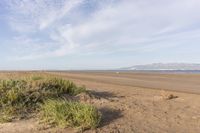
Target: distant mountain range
(164, 66)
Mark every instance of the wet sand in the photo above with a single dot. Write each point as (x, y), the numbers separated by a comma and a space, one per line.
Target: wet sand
(189, 83)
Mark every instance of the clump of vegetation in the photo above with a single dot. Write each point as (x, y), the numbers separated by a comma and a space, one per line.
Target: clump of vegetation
(168, 96)
(171, 96)
(64, 113)
(20, 98)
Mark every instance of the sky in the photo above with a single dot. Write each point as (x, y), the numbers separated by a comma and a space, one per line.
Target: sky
(97, 34)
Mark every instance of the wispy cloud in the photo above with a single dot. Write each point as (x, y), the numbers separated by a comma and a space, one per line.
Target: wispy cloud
(32, 15)
(56, 28)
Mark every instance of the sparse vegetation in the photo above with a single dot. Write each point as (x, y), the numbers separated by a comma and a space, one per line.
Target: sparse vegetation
(167, 96)
(171, 96)
(21, 98)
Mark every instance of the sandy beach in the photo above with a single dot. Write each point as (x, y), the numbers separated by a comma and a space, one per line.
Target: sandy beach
(133, 103)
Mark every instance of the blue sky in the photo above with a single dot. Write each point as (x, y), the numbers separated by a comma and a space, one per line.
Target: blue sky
(97, 34)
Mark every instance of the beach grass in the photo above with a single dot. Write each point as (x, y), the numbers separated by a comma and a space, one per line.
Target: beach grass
(23, 97)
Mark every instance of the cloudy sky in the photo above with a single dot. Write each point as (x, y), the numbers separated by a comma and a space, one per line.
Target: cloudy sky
(97, 34)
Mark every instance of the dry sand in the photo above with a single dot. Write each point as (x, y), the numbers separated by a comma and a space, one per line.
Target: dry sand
(134, 102)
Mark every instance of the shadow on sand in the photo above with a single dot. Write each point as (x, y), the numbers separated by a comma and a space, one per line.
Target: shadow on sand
(104, 94)
(109, 115)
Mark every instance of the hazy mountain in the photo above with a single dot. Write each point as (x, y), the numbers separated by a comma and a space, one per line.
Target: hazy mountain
(167, 66)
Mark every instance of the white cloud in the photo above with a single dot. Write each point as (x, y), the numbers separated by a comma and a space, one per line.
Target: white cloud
(130, 25)
(58, 14)
(134, 24)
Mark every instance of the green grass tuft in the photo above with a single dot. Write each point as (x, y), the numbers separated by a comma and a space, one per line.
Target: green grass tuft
(19, 98)
(70, 114)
